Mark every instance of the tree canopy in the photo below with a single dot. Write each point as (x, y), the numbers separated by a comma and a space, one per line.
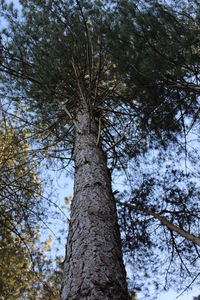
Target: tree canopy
(135, 66)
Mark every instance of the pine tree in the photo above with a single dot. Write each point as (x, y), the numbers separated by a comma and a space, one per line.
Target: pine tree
(101, 82)
(93, 266)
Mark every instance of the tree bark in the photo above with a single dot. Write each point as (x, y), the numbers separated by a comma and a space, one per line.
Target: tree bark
(93, 267)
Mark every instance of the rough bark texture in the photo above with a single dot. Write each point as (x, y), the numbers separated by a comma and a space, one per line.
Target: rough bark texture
(93, 267)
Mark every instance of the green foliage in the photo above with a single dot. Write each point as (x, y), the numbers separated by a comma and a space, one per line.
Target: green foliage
(135, 66)
(14, 275)
(21, 190)
(161, 59)
(25, 273)
(170, 193)
(115, 59)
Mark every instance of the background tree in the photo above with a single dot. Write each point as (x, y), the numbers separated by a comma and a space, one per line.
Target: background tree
(129, 74)
(24, 266)
(23, 259)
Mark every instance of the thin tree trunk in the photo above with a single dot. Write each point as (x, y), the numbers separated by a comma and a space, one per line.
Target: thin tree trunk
(93, 267)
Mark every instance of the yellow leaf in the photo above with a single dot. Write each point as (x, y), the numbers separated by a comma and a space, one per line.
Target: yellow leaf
(87, 76)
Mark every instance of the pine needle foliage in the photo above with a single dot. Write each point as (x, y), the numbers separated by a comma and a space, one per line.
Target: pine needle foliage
(135, 66)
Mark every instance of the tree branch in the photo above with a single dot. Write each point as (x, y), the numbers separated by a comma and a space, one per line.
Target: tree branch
(164, 221)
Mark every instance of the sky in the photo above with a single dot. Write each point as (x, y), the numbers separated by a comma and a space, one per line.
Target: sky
(65, 188)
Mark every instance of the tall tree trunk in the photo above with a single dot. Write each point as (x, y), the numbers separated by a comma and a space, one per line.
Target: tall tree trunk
(93, 267)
